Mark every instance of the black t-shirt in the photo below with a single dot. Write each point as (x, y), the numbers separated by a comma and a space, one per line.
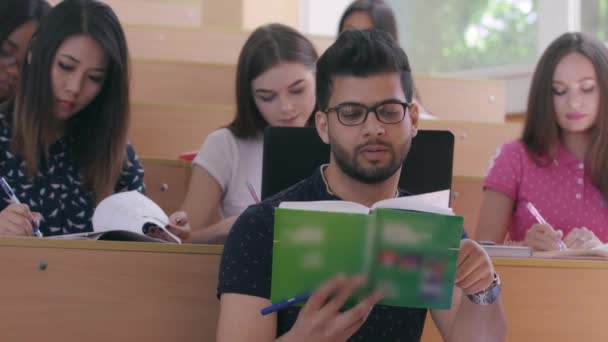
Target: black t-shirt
(246, 267)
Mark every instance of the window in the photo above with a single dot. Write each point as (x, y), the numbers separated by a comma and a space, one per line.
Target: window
(449, 35)
(594, 18)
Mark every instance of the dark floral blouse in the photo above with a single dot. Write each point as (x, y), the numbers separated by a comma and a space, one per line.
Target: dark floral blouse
(57, 190)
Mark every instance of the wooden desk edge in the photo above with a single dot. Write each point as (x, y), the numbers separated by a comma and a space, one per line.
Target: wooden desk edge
(111, 245)
(217, 250)
(551, 263)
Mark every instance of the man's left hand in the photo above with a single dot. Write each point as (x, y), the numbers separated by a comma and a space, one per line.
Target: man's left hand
(581, 238)
(474, 270)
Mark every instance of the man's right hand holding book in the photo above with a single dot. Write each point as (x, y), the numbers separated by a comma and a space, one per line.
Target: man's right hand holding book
(321, 319)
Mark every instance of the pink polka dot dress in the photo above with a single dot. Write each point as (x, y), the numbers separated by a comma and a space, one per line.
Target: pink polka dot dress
(559, 188)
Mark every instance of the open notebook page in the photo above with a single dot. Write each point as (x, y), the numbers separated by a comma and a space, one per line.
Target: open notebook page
(599, 251)
(128, 211)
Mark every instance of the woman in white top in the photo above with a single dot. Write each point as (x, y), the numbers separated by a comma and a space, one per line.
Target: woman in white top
(274, 87)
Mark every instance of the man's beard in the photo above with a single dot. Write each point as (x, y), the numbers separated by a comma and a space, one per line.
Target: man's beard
(374, 174)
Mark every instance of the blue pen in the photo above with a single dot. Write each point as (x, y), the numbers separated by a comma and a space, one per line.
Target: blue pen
(282, 305)
(11, 195)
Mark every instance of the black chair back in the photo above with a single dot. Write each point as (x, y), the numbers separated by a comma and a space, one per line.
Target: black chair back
(293, 153)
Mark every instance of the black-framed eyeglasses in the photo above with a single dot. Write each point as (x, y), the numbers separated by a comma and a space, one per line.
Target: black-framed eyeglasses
(353, 114)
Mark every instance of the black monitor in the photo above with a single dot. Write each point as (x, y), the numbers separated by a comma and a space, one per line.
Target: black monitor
(293, 153)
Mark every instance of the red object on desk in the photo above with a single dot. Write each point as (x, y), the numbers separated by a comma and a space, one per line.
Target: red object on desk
(188, 156)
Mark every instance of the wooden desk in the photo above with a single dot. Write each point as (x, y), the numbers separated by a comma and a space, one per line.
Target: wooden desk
(107, 291)
(550, 300)
(118, 291)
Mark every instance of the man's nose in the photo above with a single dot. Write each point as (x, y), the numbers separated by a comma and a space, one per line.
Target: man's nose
(373, 126)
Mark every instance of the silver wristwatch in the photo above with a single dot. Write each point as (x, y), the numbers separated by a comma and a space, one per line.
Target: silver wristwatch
(489, 295)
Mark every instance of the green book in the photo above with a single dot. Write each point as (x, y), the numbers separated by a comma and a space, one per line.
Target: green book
(406, 246)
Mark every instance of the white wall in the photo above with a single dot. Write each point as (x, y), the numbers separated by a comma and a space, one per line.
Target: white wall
(320, 17)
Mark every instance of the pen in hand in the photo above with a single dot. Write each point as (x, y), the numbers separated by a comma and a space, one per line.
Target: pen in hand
(532, 209)
(14, 200)
(282, 305)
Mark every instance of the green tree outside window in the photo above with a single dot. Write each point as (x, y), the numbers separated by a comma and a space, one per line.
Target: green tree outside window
(448, 35)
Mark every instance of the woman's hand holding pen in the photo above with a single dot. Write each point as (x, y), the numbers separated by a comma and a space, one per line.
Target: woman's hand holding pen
(321, 320)
(542, 237)
(179, 225)
(581, 238)
(18, 220)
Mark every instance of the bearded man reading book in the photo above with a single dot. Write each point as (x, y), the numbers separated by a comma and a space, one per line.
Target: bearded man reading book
(364, 91)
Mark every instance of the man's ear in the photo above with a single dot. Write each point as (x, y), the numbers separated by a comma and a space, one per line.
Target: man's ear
(322, 125)
(413, 109)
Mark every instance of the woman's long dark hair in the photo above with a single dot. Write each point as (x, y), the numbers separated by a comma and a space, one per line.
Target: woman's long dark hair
(266, 47)
(14, 13)
(379, 11)
(98, 133)
(541, 130)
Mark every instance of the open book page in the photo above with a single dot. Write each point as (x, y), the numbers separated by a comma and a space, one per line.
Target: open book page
(415, 257)
(76, 236)
(410, 254)
(128, 211)
(434, 202)
(327, 206)
(600, 251)
(311, 247)
(113, 235)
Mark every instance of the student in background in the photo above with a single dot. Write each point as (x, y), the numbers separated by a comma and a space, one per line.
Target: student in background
(65, 144)
(274, 87)
(366, 14)
(364, 92)
(18, 21)
(560, 164)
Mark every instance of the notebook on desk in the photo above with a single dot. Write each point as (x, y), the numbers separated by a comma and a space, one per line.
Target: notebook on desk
(597, 252)
(501, 251)
(126, 216)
